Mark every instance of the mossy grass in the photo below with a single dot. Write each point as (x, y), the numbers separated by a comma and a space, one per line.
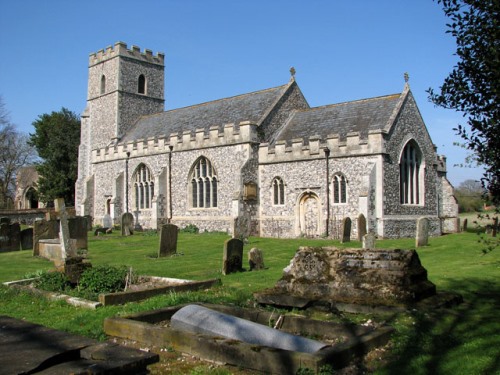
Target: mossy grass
(461, 340)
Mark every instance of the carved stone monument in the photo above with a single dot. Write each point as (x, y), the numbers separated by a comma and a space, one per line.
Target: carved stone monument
(369, 241)
(127, 224)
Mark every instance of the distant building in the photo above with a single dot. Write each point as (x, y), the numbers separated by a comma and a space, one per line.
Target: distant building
(26, 189)
(262, 163)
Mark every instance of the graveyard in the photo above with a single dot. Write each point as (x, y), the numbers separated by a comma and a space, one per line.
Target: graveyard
(422, 340)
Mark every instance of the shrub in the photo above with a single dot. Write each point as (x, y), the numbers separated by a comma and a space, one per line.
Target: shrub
(53, 282)
(103, 279)
(190, 228)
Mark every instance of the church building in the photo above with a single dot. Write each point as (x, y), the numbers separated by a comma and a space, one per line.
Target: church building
(263, 163)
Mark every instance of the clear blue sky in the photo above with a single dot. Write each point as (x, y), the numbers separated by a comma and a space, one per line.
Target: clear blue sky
(342, 50)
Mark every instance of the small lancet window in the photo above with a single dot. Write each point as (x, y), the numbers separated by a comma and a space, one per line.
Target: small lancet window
(339, 189)
(141, 85)
(103, 84)
(278, 191)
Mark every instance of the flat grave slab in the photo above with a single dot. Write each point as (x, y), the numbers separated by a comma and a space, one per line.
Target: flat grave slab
(342, 341)
(31, 348)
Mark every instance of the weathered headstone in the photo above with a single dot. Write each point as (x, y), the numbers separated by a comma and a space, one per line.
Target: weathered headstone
(78, 231)
(89, 222)
(361, 227)
(27, 239)
(255, 259)
(10, 236)
(168, 240)
(369, 240)
(346, 230)
(106, 221)
(232, 259)
(464, 228)
(43, 230)
(494, 227)
(127, 224)
(422, 236)
(68, 247)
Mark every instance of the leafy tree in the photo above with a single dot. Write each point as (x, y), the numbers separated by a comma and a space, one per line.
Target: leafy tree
(15, 152)
(56, 138)
(473, 86)
(470, 196)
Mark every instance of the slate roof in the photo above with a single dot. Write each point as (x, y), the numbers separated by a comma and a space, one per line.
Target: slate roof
(247, 107)
(356, 116)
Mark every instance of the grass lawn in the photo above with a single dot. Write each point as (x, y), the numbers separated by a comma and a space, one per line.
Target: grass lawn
(462, 340)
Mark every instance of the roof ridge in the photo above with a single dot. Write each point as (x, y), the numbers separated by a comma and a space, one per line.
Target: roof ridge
(352, 101)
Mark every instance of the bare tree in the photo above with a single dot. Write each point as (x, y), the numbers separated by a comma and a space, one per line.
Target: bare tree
(14, 154)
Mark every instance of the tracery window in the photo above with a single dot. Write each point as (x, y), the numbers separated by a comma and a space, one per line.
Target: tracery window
(278, 191)
(103, 84)
(203, 184)
(339, 188)
(141, 84)
(410, 175)
(144, 187)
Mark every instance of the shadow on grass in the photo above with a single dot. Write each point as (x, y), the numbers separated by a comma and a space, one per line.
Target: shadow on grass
(461, 340)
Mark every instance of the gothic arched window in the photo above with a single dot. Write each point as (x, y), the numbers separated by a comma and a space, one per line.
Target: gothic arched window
(278, 191)
(411, 175)
(103, 84)
(143, 187)
(141, 84)
(203, 184)
(339, 188)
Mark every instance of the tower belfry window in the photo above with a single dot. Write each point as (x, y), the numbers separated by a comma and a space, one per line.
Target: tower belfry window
(141, 85)
(103, 84)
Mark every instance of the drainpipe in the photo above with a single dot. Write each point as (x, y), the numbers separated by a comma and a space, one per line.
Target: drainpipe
(327, 155)
(126, 179)
(170, 183)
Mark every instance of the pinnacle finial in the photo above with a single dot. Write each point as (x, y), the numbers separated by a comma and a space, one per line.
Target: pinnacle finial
(407, 77)
(292, 72)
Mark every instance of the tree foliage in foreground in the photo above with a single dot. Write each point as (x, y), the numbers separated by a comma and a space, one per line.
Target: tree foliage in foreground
(56, 138)
(15, 152)
(473, 86)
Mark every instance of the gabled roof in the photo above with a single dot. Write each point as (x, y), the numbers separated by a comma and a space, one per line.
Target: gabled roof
(343, 118)
(247, 107)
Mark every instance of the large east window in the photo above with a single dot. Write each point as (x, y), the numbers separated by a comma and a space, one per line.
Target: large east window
(203, 184)
(144, 187)
(411, 175)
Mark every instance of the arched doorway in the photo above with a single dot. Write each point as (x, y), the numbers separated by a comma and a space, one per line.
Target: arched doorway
(309, 215)
(31, 198)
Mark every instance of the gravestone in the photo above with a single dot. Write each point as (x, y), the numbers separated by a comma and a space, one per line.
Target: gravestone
(4, 220)
(201, 320)
(346, 230)
(68, 247)
(168, 240)
(495, 227)
(89, 222)
(361, 227)
(369, 240)
(255, 259)
(107, 222)
(422, 236)
(10, 236)
(350, 276)
(78, 231)
(43, 230)
(465, 225)
(232, 258)
(127, 224)
(27, 239)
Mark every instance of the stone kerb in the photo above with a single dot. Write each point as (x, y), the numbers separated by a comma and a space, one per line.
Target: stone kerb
(231, 134)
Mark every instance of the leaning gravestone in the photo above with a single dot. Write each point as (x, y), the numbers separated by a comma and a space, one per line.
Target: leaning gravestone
(361, 227)
(27, 239)
(369, 241)
(422, 236)
(127, 224)
(346, 230)
(232, 259)
(255, 259)
(168, 240)
(465, 225)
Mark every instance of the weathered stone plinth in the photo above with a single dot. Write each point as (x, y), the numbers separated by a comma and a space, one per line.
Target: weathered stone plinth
(352, 276)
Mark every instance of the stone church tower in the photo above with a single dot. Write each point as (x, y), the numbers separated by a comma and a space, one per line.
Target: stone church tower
(123, 85)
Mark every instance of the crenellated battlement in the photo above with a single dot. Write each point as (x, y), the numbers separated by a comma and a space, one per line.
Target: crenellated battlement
(231, 134)
(120, 49)
(441, 163)
(313, 148)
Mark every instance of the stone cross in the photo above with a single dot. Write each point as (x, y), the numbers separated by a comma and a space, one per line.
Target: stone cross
(232, 258)
(346, 230)
(422, 237)
(67, 247)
